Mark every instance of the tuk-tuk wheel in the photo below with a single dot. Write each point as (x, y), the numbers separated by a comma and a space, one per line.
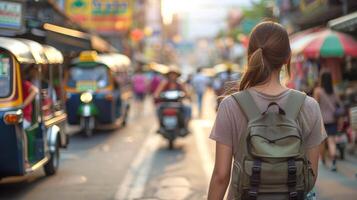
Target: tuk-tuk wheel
(126, 115)
(52, 165)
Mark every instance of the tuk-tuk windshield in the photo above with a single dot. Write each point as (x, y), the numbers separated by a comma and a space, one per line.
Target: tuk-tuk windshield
(5, 75)
(91, 78)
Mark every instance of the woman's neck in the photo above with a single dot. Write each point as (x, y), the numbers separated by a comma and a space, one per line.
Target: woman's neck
(273, 86)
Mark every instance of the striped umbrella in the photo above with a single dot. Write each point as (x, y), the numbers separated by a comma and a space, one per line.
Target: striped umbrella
(330, 43)
(297, 45)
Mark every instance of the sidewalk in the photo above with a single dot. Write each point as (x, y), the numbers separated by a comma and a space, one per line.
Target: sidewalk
(337, 185)
(348, 167)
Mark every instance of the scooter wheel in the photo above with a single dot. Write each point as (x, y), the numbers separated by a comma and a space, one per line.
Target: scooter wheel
(52, 165)
(171, 144)
(87, 129)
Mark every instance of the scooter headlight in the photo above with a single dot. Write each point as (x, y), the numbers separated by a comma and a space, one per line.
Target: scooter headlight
(86, 97)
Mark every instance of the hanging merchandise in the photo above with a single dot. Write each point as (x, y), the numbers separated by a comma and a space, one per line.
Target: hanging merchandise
(312, 74)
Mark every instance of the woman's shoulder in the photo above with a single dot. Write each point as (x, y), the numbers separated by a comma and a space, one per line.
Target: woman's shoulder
(230, 108)
(310, 108)
(228, 101)
(229, 104)
(311, 102)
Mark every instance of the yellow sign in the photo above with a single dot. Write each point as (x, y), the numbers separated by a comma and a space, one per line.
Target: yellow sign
(104, 16)
(308, 6)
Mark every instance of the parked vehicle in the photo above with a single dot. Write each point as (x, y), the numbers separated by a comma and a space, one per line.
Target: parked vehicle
(98, 91)
(24, 149)
(171, 116)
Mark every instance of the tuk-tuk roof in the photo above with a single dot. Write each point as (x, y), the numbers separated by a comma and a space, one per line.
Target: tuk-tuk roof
(53, 55)
(86, 57)
(37, 50)
(18, 49)
(115, 61)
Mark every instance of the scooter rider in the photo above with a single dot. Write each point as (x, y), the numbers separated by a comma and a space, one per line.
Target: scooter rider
(172, 83)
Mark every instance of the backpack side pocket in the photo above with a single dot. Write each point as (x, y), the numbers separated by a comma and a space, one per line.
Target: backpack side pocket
(309, 177)
(235, 187)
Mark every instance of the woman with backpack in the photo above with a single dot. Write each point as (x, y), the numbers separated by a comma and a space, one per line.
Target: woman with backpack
(329, 104)
(271, 133)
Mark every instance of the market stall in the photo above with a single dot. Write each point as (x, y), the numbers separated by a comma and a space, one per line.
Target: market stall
(323, 50)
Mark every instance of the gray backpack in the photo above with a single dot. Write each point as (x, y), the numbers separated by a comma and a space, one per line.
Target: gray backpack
(273, 164)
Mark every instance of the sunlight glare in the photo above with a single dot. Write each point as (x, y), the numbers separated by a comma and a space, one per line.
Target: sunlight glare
(171, 7)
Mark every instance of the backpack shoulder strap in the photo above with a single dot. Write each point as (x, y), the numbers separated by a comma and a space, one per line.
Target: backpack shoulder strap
(294, 103)
(247, 104)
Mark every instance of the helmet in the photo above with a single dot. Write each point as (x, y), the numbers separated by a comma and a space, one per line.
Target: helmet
(174, 69)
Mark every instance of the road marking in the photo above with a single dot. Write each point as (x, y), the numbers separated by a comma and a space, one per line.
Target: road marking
(133, 185)
(201, 142)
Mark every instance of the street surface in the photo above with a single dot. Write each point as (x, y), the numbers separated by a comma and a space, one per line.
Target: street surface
(134, 163)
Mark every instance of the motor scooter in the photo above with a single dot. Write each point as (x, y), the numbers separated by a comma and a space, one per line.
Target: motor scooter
(87, 112)
(171, 116)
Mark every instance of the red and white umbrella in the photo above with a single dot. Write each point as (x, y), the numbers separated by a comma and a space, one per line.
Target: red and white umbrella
(325, 43)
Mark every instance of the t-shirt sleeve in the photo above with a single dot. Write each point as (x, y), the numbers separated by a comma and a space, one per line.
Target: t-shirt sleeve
(317, 133)
(222, 130)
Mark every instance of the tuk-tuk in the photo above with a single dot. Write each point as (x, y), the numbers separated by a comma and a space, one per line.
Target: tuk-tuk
(98, 91)
(24, 149)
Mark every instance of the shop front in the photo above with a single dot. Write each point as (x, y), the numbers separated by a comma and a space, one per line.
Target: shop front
(326, 50)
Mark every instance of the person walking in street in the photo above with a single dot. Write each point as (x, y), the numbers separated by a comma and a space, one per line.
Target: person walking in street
(200, 83)
(222, 81)
(139, 85)
(329, 101)
(275, 152)
(155, 82)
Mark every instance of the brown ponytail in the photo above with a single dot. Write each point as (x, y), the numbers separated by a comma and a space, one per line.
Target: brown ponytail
(268, 51)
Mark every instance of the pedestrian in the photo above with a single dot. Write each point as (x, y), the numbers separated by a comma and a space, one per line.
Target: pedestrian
(139, 85)
(30, 91)
(155, 81)
(248, 130)
(329, 104)
(223, 83)
(200, 83)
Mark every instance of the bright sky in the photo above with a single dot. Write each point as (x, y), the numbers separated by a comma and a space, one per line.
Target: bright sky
(201, 18)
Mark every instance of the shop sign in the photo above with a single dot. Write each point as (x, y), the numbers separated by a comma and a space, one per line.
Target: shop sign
(103, 16)
(11, 15)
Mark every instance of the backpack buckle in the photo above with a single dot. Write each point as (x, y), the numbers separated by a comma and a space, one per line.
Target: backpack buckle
(253, 194)
(292, 169)
(256, 169)
(293, 195)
